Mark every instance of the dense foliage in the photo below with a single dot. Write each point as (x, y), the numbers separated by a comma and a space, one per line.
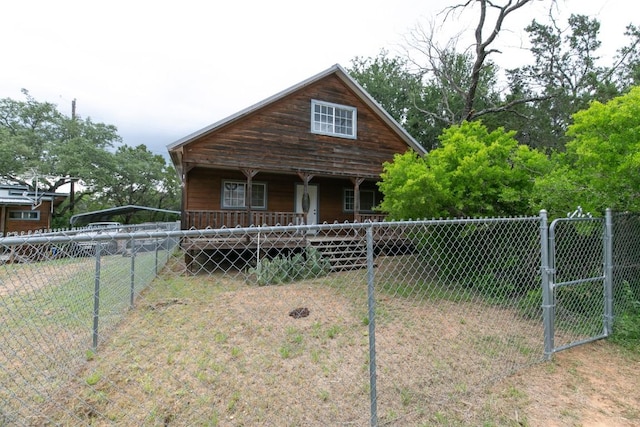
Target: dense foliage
(473, 173)
(600, 167)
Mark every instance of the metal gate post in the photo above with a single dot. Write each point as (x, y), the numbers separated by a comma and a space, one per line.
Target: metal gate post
(608, 273)
(132, 273)
(373, 398)
(547, 287)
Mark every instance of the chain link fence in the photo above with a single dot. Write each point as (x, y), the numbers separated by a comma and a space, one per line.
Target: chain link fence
(394, 323)
(626, 262)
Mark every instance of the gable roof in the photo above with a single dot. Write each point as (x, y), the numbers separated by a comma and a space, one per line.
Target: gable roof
(20, 195)
(341, 73)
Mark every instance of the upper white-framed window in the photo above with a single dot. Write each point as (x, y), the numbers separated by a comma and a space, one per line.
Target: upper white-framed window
(333, 119)
(368, 200)
(233, 194)
(25, 215)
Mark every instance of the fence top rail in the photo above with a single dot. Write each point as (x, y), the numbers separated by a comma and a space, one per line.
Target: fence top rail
(440, 221)
(74, 236)
(558, 221)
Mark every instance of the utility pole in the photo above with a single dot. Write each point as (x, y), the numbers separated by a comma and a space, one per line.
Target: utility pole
(72, 192)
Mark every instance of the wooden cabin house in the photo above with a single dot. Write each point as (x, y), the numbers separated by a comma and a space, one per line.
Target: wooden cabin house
(312, 153)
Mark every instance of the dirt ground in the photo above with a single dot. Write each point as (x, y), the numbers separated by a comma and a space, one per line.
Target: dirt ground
(594, 385)
(231, 357)
(206, 352)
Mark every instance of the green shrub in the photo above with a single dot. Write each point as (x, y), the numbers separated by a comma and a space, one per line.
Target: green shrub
(626, 328)
(484, 258)
(283, 269)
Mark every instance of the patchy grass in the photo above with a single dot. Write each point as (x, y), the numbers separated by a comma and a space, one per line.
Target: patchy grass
(214, 351)
(209, 350)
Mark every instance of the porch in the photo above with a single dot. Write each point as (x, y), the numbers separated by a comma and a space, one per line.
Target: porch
(202, 219)
(342, 245)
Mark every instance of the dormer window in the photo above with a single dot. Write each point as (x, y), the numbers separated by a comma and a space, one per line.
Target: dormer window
(333, 119)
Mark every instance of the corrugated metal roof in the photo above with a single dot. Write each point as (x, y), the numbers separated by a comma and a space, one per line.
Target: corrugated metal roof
(9, 200)
(106, 214)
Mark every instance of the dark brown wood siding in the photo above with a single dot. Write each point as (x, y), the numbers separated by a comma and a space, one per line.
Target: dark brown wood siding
(23, 226)
(206, 184)
(331, 198)
(278, 138)
(205, 188)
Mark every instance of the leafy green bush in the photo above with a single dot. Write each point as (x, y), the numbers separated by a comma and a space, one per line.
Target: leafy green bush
(626, 328)
(483, 258)
(283, 269)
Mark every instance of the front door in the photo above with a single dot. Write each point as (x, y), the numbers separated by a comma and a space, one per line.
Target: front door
(312, 217)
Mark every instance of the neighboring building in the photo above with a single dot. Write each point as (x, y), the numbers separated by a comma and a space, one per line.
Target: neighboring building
(23, 211)
(310, 154)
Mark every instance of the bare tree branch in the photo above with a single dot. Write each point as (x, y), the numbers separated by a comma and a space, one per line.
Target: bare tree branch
(509, 105)
(482, 44)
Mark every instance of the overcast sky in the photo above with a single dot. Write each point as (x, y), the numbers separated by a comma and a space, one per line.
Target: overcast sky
(160, 70)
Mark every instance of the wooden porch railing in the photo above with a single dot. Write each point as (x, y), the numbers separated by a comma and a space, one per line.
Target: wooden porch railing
(370, 217)
(231, 218)
(234, 218)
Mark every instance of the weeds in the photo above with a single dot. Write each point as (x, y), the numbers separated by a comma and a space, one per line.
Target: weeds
(627, 326)
(284, 269)
(93, 378)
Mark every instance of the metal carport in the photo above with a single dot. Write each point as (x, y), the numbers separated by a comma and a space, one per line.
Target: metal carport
(107, 214)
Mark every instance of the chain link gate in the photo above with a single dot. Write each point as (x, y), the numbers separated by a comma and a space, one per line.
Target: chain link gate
(577, 280)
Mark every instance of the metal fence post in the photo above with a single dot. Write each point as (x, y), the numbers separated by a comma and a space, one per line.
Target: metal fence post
(132, 273)
(372, 328)
(157, 249)
(96, 297)
(608, 273)
(547, 286)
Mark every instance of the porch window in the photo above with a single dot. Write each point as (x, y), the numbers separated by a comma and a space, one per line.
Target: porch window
(25, 215)
(367, 200)
(333, 119)
(233, 195)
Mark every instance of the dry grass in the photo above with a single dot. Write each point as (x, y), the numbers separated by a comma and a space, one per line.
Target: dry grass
(594, 385)
(220, 352)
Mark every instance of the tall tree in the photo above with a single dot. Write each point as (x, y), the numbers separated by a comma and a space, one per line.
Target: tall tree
(413, 98)
(566, 74)
(401, 93)
(36, 140)
(389, 81)
(627, 66)
(471, 74)
(137, 177)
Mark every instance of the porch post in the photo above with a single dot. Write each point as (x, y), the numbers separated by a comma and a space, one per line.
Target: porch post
(356, 197)
(306, 201)
(249, 173)
(185, 221)
(3, 213)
